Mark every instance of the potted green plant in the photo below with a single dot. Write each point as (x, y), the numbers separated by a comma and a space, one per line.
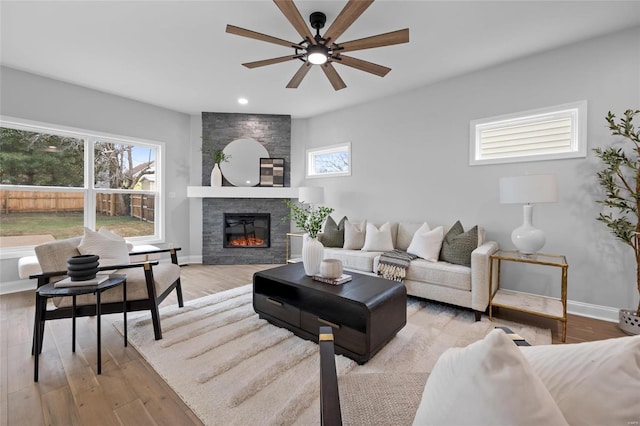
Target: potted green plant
(310, 220)
(621, 182)
(216, 174)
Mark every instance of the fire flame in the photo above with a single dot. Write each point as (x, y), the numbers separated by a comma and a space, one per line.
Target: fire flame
(247, 242)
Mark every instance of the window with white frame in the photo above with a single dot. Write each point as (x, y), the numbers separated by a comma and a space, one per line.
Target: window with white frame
(328, 161)
(544, 134)
(55, 180)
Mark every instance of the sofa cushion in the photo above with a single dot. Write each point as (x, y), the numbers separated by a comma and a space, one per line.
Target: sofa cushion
(440, 273)
(487, 383)
(164, 274)
(427, 244)
(333, 234)
(112, 251)
(354, 233)
(406, 231)
(458, 245)
(593, 383)
(378, 238)
(357, 260)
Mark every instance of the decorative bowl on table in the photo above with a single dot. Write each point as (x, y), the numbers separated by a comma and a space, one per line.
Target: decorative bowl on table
(331, 268)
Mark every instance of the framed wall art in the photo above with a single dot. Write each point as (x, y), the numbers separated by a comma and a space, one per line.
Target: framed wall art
(328, 161)
(272, 172)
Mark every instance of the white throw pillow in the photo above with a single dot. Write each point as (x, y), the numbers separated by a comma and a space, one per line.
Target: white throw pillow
(593, 383)
(487, 383)
(406, 231)
(427, 244)
(378, 239)
(112, 235)
(111, 251)
(354, 233)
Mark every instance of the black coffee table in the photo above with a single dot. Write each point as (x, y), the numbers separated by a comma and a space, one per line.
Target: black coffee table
(49, 290)
(365, 313)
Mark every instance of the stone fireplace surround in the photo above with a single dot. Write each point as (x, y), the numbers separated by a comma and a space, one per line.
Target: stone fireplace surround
(274, 132)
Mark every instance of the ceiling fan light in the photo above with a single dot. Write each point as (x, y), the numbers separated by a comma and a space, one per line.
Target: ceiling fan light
(317, 55)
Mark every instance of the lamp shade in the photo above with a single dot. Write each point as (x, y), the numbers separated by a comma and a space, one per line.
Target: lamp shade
(529, 189)
(311, 194)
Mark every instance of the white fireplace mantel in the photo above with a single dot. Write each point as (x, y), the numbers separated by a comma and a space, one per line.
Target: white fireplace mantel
(240, 192)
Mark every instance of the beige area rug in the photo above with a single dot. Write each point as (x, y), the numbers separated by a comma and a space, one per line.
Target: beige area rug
(233, 368)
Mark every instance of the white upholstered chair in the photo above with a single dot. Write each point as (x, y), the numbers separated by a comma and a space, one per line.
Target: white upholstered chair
(148, 283)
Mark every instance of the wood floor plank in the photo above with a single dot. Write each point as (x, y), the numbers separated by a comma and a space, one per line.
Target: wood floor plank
(25, 407)
(59, 408)
(134, 413)
(129, 391)
(164, 405)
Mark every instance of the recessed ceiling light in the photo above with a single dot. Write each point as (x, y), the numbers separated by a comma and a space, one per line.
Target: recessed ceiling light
(243, 101)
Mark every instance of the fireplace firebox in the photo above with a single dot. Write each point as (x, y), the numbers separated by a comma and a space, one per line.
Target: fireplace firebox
(242, 230)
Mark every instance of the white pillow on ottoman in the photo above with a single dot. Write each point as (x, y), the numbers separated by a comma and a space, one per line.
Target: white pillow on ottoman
(111, 251)
(593, 383)
(487, 383)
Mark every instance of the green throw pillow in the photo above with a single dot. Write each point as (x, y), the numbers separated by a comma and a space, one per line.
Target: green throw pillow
(333, 235)
(458, 245)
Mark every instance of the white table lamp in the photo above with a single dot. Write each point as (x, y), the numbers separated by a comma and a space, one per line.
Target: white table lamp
(526, 190)
(311, 194)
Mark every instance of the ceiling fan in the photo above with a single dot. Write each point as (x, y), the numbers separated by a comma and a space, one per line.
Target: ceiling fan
(324, 50)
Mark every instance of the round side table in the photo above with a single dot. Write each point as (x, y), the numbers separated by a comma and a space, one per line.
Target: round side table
(49, 290)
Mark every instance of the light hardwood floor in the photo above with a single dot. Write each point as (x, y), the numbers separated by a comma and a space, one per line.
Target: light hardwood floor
(129, 391)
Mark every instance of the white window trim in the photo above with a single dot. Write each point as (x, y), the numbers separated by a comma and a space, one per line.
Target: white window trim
(312, 152)
(579, 136)
(90, 137)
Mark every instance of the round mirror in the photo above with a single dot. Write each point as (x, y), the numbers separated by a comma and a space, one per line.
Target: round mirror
(243, 168)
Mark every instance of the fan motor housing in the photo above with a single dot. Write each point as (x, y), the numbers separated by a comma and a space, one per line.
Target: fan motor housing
(317, 20)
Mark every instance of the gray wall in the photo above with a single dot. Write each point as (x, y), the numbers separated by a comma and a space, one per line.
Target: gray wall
(410, 162)
(32, 97)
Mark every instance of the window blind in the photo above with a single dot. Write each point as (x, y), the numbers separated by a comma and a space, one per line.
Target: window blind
(541, 137)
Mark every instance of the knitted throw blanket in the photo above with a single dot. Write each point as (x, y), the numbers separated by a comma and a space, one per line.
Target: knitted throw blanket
(393, 264)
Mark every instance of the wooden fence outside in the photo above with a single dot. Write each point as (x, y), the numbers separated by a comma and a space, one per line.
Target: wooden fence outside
(38, 202)
(142, 206)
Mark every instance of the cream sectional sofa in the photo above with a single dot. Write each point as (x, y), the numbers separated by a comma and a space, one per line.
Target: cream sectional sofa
(465, 286)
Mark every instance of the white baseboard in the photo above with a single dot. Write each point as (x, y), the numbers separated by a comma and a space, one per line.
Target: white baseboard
(582, 309)
(190, 259)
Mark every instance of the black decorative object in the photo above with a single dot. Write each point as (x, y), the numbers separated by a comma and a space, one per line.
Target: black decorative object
(83, 267)
(272, 172)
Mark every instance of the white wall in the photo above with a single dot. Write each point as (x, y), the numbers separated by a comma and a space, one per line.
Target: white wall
(410, 162)
(36, 98)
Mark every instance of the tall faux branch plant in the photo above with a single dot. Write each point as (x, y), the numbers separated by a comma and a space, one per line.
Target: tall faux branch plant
(308, 218)
(621, 181)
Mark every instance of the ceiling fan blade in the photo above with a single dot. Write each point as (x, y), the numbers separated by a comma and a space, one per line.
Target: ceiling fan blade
(333, 76)
(361, 65)
(271, 61)
(231, 29)
(300, 74)
(291, 12)
(386, 39)
(351, 11)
